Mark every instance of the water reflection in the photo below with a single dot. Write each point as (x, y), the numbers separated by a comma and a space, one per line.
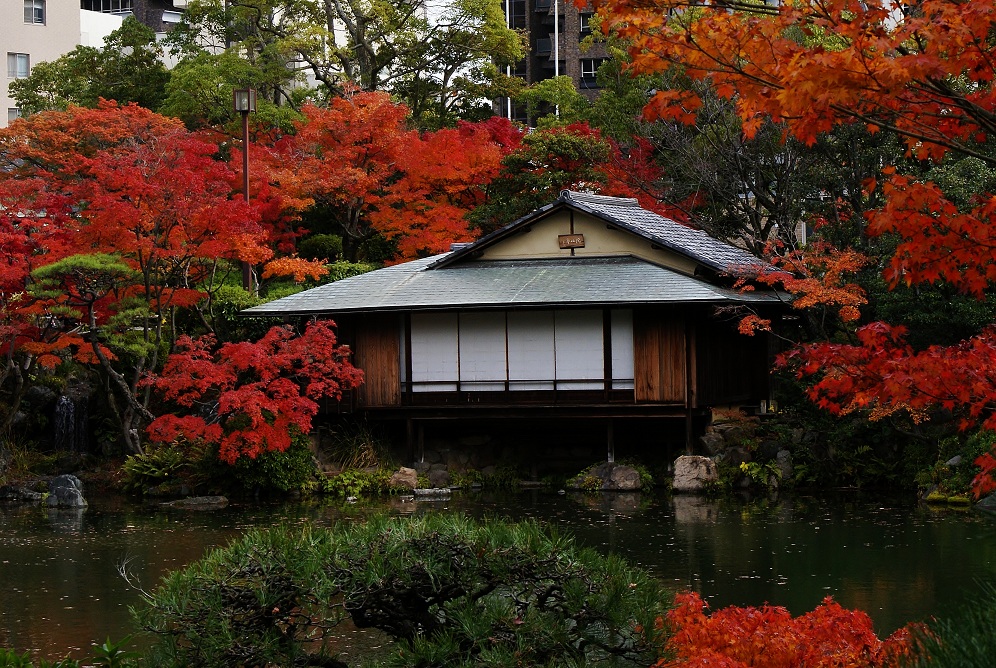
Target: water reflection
(60, 589)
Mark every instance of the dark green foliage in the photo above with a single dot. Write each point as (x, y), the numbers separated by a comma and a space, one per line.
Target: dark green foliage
(341, 270)
(451, 591)
(226, 303)
(533, 175)
(251, 604)
(292, 470)
(956, 480)
(964, 640)
(356, 482)
(158, 468)
(326, 247)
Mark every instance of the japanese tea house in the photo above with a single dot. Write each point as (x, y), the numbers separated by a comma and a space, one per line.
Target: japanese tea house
(590, 308)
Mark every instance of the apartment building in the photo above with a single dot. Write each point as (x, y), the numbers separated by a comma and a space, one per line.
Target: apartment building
(32, 31)
(555, 30)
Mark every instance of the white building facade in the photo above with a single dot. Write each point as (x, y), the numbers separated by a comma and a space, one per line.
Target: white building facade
(32, 31)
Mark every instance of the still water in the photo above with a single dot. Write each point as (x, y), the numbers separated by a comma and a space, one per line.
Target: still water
(60, 588)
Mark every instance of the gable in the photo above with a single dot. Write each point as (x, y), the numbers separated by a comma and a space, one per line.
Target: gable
(542, 240)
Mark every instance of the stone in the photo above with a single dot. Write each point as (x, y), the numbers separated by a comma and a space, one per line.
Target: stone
(199, 503)
(65, 497)
(432, 493)
(693, 473)
(735, 456)
(439, 477)
(712, 443)
(735, 435)
(65, 482)
(16, 494)
(65, 491)
(768, 450)
(954, 461)
(783, 460)
(404, 478)
(622, 478)
(987, 502)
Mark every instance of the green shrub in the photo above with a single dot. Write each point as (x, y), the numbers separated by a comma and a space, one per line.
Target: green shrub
(357, 482)
(504, 477)
(341, 270)
(451, 591)
(158, 468)
(326, 247)
(292, 470)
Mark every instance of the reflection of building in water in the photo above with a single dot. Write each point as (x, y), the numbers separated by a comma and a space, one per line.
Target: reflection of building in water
(554, 34)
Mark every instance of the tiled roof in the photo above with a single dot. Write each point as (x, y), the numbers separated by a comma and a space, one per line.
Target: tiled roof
(503, 284)
(696, 244)
(626, 213)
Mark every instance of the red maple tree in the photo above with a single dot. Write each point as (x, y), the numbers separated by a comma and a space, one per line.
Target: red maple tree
(260, 389)
(920, 69)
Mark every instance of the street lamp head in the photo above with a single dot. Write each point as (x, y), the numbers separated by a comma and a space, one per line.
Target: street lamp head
(244, 100)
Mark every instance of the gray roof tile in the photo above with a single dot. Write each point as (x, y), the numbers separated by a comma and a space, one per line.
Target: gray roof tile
(503, 284)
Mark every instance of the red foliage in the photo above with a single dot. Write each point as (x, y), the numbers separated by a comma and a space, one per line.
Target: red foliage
(262, 389)
(828, 637)
(359, 158)
(920, 69)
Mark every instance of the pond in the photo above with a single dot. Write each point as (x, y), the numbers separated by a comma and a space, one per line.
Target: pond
(60, 587)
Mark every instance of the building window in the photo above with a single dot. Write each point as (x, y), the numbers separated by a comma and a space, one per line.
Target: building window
(13, 113)
(34, 12)
(585, 24)
(18, 65)
(108, 6)
(589, 67)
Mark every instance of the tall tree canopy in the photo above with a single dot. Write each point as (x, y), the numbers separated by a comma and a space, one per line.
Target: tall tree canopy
(443, 61)
(360, 162)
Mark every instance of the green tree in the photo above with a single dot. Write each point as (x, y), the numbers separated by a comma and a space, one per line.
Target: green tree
(444, 67)
(128, 68)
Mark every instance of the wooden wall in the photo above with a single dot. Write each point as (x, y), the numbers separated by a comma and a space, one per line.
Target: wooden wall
(731, 368)
(377, 350)
(659, 356)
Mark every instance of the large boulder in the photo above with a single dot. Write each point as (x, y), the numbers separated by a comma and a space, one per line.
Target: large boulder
(712, 443)
(404, 479)
(692, 474)
(608, 477)
(623, 478)
(987, 503)
(65, 491)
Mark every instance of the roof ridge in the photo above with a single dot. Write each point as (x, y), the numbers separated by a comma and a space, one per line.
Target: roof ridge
(575, 196)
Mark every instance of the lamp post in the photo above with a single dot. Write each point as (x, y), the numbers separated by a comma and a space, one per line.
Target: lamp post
(244, 101)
